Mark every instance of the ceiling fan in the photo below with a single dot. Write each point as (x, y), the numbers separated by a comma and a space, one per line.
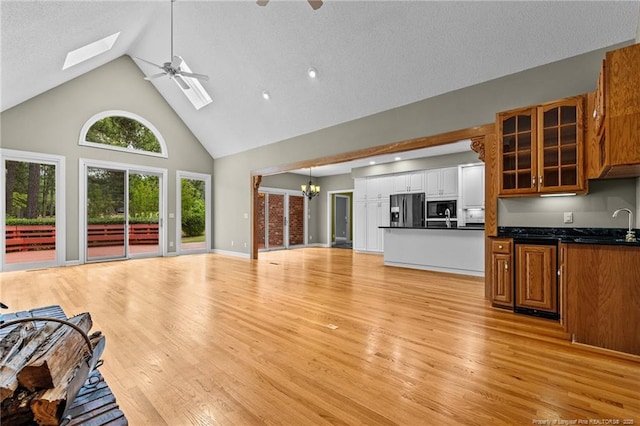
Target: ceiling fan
(315, 4)
(177, 69)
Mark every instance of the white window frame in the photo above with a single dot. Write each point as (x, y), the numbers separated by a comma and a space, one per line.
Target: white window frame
(182, 174)
(117, 113)
(61, 237)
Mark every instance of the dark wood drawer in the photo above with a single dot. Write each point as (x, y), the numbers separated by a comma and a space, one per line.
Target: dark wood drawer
(501, 246)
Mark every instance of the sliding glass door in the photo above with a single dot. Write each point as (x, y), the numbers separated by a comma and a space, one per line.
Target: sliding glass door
(106, 218)
(123, 214)
(144, 214)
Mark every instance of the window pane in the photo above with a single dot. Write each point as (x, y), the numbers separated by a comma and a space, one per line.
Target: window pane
(123, 132)
(193, 214)
(30, 219)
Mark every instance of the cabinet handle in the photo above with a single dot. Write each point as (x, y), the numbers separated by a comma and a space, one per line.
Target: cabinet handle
(595, 113)
(500, 246)
(533, 182)
(506, 266)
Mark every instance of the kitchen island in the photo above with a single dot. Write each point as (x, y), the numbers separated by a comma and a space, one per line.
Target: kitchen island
(454, 250)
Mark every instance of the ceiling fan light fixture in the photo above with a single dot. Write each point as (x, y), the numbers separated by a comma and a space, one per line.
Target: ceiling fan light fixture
(312, 73)
(266, 95)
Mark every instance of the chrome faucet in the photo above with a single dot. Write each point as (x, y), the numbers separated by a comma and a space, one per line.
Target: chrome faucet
(447, 217)
(631, 235)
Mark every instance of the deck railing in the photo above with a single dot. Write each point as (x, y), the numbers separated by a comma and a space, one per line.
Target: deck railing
(43, 237)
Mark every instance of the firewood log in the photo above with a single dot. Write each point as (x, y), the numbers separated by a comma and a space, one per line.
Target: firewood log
(48, 406)
(15, 339)
(17, 409)
(50, 364)
(17, 359)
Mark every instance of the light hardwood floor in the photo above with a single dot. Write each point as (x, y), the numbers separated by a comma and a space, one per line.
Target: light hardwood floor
(212, 339)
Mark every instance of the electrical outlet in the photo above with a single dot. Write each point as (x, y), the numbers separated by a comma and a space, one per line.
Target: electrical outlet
(245, 245)
(170, 243)
(568, 217)
(231, 243)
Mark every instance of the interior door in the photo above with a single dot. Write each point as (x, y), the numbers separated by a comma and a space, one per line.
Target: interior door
(341, 218)
(280, 220)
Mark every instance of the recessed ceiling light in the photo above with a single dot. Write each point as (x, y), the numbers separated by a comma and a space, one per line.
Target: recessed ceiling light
(398, 158)
(312, 72)
(372, 162)
(89, 51)
(266, 95)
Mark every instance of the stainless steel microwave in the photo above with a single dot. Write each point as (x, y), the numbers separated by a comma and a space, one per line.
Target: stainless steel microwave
(439, 209)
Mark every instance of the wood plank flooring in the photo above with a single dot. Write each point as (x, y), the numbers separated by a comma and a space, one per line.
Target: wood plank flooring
(325, 336)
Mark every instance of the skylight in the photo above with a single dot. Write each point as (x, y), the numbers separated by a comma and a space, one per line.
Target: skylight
(192, 88)
(90, 50)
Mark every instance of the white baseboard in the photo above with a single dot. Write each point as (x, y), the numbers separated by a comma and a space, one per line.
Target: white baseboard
(231, 253)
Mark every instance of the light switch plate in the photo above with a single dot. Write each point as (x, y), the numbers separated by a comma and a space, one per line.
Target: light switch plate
(568, 217)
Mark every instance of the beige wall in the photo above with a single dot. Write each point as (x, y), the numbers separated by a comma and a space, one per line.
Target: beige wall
(475, 105)
(51, 122)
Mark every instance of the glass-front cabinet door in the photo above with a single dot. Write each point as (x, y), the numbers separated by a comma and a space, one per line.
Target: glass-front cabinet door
(560, 151)
(518, 154)
(541, 148)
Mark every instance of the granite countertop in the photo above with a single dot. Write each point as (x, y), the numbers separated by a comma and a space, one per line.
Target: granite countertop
(602, 236)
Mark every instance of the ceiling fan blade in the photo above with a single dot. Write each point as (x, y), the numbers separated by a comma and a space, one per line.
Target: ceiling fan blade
(315, 4)
(150, 63)
(154, 76)
(262, 2)
(194, 75)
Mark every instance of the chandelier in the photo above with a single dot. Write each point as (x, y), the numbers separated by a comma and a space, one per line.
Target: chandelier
(310, 190)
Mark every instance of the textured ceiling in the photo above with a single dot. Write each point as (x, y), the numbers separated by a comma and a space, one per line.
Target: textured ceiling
(371, 56)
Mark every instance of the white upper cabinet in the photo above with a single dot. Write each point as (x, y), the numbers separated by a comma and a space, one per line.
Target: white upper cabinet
(472, 186)
(360, 189)
(408, 182)
(379, 187)
(442, 183)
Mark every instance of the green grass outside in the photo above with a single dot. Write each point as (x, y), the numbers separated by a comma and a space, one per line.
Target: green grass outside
(196, 239)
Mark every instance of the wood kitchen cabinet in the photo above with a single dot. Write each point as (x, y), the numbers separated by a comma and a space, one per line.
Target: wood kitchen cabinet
(614, 117)
(602, 287)
(542, 149)
(501, 272)
(536, 279)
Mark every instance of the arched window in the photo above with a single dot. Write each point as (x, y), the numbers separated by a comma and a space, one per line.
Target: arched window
(123, 131)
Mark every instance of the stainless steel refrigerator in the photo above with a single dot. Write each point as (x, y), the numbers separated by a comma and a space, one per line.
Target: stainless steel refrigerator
(408, 210)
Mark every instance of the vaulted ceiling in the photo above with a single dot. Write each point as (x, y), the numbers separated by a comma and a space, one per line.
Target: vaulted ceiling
(371, 56)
